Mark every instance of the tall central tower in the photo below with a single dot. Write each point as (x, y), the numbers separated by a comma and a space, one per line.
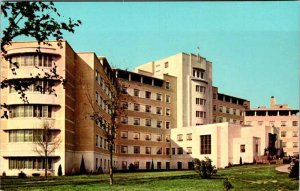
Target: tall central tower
(194, 85)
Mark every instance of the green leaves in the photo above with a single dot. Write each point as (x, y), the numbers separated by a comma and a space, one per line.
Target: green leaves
(34, 19)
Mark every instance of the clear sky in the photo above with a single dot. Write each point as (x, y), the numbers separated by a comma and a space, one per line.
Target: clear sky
(254, 46)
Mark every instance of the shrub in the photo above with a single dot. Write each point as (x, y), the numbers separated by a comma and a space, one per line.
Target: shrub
(21, 175)
(241, 161)
(36, 174)
(3, 174)
(59, 173)
(294, 173)
(204, 167)
(227, 185)
(131, 167)
(152, 165)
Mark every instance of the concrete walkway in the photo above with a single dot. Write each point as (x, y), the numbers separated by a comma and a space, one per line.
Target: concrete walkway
(283, 168)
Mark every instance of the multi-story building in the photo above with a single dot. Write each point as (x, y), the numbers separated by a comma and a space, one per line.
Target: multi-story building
(194, 86)
(227, 108)
(19, 132)
(166, 107)
(149, 113)
(66, 109)
(283, 118)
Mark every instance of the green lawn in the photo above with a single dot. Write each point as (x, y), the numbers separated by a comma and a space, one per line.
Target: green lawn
(248, 177)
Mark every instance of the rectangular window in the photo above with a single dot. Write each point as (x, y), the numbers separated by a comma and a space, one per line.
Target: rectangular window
(97, 137)
(166, 64)
(227, 110)
(124, 90)
(136, 121)
(168, 99)
(295, 144)
(158, 138)
(136, 107)
(159, 151)
(148, 165)
(148, 122)
(283, 123)
(168, 125)
(158, 110)
(295, 133)
(220, 108)
(147, 95)
(242, 148)
(125, 105)
(295, 123)
(124, 149)
(124, 134)
(167, 138)
(179, 150)
(205, 144)
(136, 136)
(136, 164)
(179, 137)
(168, 86)
(136, 149)
(168, 112)
(189, 150)
(158, 124)
(260, 123)
(158, 165)
(158, 97)
(124, 165)
(283, 133)
(148, 108)
(189, 137)
(148, 150)
(168, 151)
(173, 151)
(124, 120)
(136, 92)
(283, 144)
(148, 137)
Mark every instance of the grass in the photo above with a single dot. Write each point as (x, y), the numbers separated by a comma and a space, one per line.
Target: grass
(248, 177)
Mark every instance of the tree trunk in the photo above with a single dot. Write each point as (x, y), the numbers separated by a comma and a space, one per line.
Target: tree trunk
(46, 166)
(111, 180)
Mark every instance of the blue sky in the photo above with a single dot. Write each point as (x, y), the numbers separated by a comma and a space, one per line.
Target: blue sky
(254, 46)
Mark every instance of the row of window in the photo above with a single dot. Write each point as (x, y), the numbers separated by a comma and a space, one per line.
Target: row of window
(198, 73)
(147, 122)
(102, 142)
(103, 85)
(200, 89)
(200, 101)
(146, 108)
(29, 136)
(30, 111)
(137, 150)
(224, 119)
(146, 136)
(29, 163)
(201, 114)
(228, 110)
(188, 137)
(150, 164)
(145, 94)
(295, 144)
(102, 103)
(272, 123)
(32, 60)
(38, 86)
(284, 134)
(103, 164)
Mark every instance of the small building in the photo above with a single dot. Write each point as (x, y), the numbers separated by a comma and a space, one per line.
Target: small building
(224, 143)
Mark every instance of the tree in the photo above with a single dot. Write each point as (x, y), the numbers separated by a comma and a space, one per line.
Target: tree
(241, 161)
(59, 173)
(152, 165)
(227, 185)
(38, 20)
(82, 169)
(294, 173)
(46, 143)
(204, 167)
(116, 109)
